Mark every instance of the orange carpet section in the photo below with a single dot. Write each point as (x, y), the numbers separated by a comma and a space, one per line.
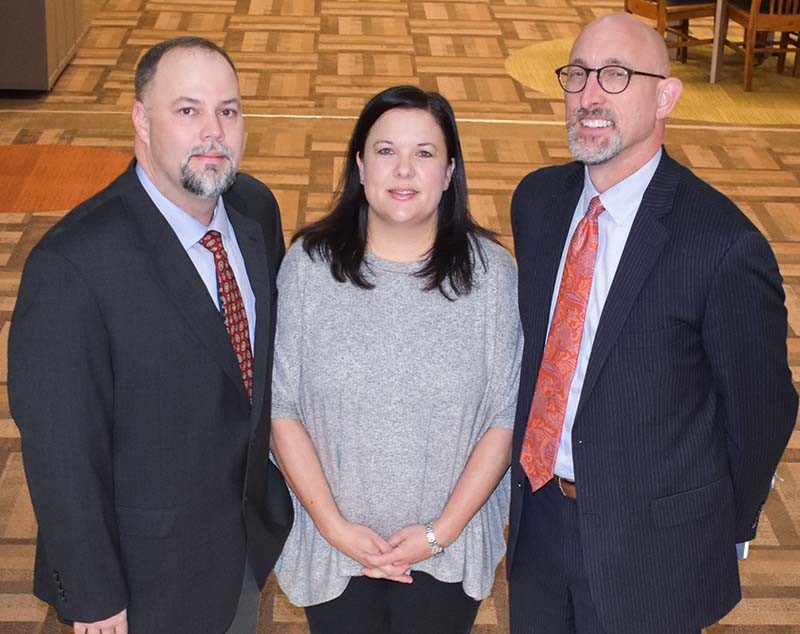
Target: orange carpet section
(54, 177)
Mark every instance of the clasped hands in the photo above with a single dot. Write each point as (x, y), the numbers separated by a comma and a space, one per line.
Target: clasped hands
(383, 558)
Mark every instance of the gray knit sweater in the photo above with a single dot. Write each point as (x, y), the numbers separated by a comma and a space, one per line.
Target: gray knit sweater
(395, 386)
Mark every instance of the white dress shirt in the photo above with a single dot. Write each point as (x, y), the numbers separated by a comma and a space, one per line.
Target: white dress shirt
(621, 203)
(190, 231)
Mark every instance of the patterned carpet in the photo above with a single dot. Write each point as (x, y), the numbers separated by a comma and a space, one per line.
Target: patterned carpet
(307, 67)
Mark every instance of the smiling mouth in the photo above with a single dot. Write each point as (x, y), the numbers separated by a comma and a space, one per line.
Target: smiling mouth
(596, 123)
(403, 194)
(597, 119)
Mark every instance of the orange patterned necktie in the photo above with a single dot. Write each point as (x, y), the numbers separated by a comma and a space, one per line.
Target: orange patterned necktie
(560, 357)
(232, 308)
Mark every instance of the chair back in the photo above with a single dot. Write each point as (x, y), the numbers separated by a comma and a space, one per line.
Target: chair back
(775, 15)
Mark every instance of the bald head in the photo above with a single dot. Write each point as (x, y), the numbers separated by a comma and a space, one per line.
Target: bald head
(615, 133)
(622, 28)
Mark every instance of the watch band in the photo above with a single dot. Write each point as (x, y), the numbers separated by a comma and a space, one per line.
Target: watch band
(436, 549)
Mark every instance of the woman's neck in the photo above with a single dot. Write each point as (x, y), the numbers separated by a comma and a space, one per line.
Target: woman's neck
(400, 244)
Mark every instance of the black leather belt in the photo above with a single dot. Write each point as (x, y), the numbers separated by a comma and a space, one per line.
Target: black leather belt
(567, 487)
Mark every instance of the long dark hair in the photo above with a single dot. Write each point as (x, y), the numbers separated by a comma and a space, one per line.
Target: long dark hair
(340, 238)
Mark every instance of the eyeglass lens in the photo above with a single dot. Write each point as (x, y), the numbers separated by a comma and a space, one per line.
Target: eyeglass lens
(612, 79)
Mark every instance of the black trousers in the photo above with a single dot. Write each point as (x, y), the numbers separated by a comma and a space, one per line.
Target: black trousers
(378, 606)
(548, 587)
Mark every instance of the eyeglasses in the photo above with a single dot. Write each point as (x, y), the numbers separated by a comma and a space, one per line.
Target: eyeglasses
(612, 78)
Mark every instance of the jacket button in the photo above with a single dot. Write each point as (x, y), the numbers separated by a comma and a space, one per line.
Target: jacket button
(519, 484)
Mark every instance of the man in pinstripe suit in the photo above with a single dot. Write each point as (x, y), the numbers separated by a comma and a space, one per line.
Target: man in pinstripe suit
(679, 401)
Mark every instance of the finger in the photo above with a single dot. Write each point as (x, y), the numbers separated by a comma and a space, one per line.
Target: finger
(397, 539)
(392, 570)
(382, 545)
(389, 559)
(374, 573)
(401, 578)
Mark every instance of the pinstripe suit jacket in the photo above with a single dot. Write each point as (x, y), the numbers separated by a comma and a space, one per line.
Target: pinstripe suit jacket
(688, 400)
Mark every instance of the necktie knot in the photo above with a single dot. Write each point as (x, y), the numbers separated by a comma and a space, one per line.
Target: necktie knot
(595, 208)
(212, 240)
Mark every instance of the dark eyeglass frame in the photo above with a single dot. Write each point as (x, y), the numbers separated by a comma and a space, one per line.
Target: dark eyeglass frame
(630, 72)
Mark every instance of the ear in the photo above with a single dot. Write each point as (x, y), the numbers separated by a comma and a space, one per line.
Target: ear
(141, 124)
(360, 165)
(669, 91)
(449, 174)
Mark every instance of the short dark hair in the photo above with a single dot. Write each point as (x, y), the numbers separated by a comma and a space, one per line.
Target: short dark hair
(341, 236)
(146, 67)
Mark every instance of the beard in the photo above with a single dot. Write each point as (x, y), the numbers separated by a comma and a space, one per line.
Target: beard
(585, 149)
(210, 182)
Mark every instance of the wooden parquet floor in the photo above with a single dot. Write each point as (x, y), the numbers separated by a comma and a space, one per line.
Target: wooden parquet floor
(306, 68)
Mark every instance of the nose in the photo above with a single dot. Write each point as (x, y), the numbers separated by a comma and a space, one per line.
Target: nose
(212, 130)
(404, 167)
(592, 94)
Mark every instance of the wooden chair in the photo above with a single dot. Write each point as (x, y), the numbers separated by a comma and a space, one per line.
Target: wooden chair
(672, 17)
(788, 40)
(766, 16)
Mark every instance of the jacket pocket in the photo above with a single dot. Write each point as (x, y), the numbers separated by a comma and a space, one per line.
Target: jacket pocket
(145, 522)
(687, 506)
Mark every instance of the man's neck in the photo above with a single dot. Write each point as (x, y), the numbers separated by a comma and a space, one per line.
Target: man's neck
(605, 175)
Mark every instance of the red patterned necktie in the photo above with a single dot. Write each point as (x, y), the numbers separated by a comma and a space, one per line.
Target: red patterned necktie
(543, 431)
(232, 308)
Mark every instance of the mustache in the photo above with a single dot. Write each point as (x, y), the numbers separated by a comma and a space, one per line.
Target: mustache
(211, 146)
(600, 113)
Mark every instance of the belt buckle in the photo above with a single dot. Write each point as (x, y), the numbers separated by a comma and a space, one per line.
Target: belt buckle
(560, 482)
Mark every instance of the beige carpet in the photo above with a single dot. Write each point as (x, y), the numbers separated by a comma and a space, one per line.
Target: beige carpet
(774, 100)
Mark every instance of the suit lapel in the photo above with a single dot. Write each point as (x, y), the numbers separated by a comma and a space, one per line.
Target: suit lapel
(251, 243)
(644, 245)
(174, 271)
(552, 238)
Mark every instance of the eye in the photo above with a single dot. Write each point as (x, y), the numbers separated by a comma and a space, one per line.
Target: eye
(615, 72)
(229, 112)
(385, 151)
(425, 154)
(186, 110)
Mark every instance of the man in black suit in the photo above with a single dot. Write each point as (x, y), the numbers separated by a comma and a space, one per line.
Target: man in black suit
(145, 435)
(667, 381)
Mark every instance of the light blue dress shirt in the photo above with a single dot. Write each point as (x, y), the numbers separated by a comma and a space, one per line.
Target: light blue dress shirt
(614, 225)
(190, 231)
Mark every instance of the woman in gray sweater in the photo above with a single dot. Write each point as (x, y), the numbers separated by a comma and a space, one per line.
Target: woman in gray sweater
(396, 368)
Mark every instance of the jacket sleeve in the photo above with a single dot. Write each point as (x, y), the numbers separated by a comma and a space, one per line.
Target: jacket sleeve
(744, 335)
(60, 383)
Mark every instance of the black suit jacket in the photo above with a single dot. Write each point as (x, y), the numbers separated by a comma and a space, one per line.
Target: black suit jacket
(147, 467)
(687, 403)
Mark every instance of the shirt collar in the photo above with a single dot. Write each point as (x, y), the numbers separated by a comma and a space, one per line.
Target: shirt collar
(623, 199)
(188, 229)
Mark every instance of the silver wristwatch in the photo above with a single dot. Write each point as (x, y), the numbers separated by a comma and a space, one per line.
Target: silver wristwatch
(436, 549)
